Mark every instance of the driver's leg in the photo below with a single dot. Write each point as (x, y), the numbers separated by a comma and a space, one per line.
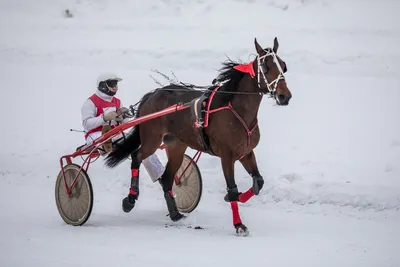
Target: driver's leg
(93, 136)
(153, 167)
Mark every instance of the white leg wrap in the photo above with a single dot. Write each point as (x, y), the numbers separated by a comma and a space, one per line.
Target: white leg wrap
(153, 167)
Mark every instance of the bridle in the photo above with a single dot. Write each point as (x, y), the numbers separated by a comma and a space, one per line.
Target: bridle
(263, 69)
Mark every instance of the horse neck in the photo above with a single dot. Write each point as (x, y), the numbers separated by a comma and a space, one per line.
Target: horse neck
(247, 106)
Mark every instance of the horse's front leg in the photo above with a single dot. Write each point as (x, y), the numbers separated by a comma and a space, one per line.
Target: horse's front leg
(129, 202)
(233, 194)
(250, 164)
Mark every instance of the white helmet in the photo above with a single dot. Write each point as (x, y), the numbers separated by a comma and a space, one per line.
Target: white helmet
(107, 80)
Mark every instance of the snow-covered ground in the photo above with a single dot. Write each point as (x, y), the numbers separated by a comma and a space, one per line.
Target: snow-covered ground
(331, 159)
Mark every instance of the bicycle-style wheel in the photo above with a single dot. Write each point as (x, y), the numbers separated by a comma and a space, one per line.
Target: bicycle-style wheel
(189, 188)
(76, 208)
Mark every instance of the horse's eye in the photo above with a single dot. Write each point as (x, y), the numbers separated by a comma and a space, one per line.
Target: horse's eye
(284, 67)
(264, 68)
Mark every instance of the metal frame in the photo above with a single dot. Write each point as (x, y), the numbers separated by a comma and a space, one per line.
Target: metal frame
(91, 151)
(195, 158)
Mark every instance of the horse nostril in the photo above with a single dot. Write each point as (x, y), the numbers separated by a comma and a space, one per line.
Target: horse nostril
(282, 98)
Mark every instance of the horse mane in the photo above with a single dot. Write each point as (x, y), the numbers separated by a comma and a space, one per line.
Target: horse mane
(230, 78)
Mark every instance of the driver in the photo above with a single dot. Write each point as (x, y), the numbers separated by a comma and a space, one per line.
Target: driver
(102, 111)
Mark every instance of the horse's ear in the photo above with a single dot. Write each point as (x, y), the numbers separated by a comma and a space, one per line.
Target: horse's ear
(276, 45)
(258, 47)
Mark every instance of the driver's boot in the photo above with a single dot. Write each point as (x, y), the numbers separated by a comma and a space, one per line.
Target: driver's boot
(107, 146)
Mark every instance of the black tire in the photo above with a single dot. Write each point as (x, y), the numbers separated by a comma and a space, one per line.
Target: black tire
(188, 192)
(74, 210)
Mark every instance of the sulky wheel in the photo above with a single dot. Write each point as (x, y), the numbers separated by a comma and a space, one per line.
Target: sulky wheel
(189, 188)
(76, 208)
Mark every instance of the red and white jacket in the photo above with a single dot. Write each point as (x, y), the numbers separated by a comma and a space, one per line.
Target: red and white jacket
(94, 108)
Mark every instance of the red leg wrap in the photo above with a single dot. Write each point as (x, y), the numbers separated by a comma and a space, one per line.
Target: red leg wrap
(244, 197)
(132, 192)
(235, 213)
(135, 172)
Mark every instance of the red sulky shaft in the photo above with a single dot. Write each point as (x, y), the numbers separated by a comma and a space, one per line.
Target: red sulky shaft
(120, 128)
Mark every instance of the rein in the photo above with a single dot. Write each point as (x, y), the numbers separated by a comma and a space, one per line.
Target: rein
(261, 68)
(209, 90)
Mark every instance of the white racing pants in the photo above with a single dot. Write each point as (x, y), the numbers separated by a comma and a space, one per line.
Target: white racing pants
(152, 163)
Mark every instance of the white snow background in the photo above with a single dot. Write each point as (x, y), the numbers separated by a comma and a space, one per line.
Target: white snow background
(331, 159)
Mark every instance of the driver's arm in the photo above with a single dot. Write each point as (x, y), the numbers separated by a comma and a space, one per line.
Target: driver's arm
(89, 119)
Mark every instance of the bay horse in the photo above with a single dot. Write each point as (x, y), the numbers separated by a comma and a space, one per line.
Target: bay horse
(229, 129)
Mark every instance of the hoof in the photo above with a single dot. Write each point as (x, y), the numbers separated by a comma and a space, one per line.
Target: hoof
(174, 213)
(177, 216)
(241, 230)
(258, 183)
(128, 203)
(226, 198)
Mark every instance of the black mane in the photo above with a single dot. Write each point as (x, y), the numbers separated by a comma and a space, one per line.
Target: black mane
(230, 77)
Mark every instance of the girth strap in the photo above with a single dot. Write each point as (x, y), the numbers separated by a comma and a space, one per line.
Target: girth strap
(201, 110)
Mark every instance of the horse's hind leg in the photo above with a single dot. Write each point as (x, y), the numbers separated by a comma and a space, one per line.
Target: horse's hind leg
(129, 202)
(149, 145)
(176, 150)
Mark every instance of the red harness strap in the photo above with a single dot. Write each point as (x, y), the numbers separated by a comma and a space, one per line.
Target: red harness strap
(229, 106)
(100, 105)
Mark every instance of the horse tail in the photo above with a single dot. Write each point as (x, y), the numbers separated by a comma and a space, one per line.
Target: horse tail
(124, 148)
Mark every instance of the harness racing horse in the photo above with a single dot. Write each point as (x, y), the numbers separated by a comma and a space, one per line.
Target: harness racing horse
(229, 129)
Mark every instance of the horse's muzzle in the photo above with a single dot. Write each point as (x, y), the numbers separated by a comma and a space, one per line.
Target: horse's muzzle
(283, 99)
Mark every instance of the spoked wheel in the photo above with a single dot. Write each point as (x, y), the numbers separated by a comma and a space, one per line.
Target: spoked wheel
(189, 188)
(76, 208)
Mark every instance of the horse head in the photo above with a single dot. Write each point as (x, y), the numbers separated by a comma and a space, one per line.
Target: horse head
(270, 69)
